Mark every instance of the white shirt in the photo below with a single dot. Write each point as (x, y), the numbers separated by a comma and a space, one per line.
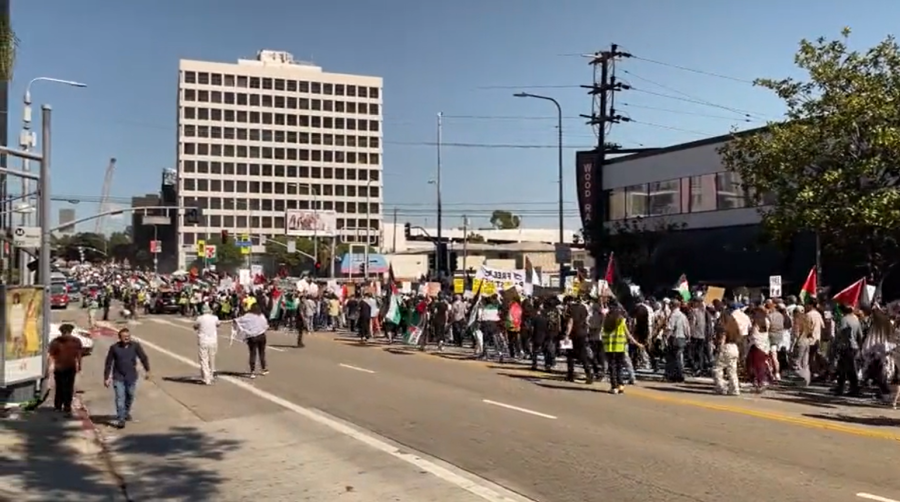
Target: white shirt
(207, 327)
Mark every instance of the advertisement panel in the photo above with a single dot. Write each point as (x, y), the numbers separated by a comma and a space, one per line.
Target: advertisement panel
(307, 223)
(22, 342)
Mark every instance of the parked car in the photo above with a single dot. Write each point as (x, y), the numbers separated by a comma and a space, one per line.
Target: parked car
(74, 292)
(166, 302)
(59, 296)
(87, 340)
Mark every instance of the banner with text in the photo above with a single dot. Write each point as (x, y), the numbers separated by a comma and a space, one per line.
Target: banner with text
(491, 281)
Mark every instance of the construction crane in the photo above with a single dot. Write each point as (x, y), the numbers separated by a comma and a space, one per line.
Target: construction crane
(104, 197)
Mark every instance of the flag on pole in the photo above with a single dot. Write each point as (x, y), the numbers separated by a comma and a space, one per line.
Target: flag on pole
(850, 295)
(683, 288)
(810, 287)
(610, 270)
(392, 302)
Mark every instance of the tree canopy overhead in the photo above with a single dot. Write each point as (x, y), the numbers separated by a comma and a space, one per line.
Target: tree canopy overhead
(834, 164)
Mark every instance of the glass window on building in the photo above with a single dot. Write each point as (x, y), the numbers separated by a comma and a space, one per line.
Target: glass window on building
(616, 204)
(730, 193)
(664, 197)
(703, 193)
(636, 203)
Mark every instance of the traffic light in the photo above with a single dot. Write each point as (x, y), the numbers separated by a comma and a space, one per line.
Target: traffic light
(362, 269)
(452, 264)
(224, 236)
(317, 268)
(407, 231)
(192, 215)
(432, 263)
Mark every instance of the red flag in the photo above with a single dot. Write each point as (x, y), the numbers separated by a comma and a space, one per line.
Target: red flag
(610, 269)
(392, 282)
(850, 295)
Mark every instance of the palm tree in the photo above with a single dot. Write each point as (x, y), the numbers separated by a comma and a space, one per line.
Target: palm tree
(9, 43)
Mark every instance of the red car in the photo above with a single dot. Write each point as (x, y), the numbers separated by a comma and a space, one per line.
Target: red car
(59, 296)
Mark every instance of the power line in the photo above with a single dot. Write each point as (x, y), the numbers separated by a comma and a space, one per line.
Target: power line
(682, 112)
(694, 70)
(485, 145)
(508, 117)
(512, 87)
(670, 128)
(688, 98)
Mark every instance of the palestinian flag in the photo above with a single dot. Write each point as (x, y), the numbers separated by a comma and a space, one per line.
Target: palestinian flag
(275, 309)
(683, 288)
(392, 312)
(808, 291)
(415, 325)
(850, 295)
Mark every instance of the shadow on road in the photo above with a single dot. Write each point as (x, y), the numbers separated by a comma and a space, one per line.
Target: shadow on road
(397, 351)
(38, 456)
(174, 465)
(184, 379)
(821, 400)
(847, 419)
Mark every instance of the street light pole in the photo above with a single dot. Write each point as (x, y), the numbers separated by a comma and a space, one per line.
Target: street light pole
(438, 259)
(27, 142)
(368, 228)
(559, 130)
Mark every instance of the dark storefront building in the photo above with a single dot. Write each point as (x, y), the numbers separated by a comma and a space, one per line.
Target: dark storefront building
(698, 220)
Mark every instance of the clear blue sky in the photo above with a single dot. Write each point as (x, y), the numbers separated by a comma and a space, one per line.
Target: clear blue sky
(464, 58)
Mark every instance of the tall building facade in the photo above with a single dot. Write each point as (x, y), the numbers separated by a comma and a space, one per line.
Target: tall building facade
(66, 216)
(265, 141)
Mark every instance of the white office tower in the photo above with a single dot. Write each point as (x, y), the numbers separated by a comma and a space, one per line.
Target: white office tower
(273, 146)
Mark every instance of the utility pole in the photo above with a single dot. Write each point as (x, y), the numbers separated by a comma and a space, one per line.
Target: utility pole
(466, 246)
(603, 116)
(394, 244)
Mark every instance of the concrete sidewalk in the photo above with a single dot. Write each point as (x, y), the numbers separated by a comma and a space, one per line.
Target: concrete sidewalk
(46, 457)
(192, 442)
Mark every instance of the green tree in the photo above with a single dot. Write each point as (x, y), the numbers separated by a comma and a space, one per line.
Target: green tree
(473, 237)
(120, 247)
(833, 165)
(70, 247)
(505, 220)
(9, 43)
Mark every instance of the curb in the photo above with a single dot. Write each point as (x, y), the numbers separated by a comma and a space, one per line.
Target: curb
(96, 436)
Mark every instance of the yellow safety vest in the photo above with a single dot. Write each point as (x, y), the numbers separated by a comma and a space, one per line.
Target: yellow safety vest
(616, 341)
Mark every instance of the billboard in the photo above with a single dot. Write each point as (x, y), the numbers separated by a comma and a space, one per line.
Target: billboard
(22, 342)
(308, 223)
(66, 215)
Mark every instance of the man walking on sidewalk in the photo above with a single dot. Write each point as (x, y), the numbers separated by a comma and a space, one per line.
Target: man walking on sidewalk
(207, 328)
(65, 363)
(120, 371)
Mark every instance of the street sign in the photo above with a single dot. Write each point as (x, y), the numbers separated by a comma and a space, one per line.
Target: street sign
(156, 247)
(563, 254)
(262, 240)
(201, 248)
(26, 237)
(210, 252)
(292, 246)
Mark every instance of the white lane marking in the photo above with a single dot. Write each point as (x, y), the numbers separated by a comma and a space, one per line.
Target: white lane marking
(480, 487)
(223, 337)
(876, 498)
(355, 368)
(516, 408)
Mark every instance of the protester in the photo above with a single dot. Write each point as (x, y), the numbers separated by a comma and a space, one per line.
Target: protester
(120, 372)
(65, 363)
(207, 328)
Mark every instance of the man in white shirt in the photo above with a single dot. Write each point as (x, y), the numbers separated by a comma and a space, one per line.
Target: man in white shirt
(207, 328)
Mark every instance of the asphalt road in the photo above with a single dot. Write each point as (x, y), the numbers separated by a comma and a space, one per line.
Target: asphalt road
(553, 441)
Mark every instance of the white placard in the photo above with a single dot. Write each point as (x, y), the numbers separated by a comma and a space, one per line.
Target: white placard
(775, 286)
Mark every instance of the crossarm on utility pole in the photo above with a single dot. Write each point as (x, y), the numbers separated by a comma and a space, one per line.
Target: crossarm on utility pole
(5, 150)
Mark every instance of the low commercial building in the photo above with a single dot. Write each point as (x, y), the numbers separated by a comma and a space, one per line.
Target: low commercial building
(712, 228)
